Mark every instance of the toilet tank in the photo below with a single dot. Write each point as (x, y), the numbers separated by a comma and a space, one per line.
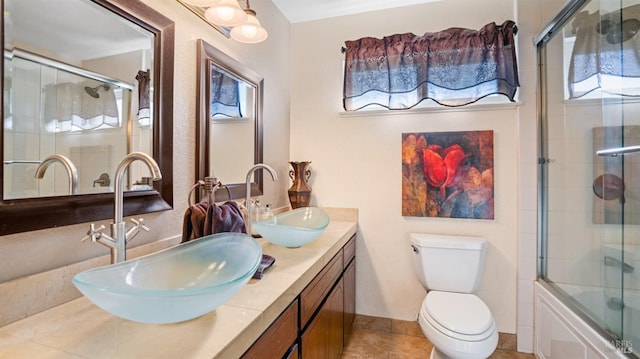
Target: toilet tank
(448, 263)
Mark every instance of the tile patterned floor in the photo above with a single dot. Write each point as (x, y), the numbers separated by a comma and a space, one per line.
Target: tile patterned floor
(382, 338)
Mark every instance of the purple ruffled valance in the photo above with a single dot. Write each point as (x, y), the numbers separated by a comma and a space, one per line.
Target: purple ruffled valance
(225, 95)
(606, 53)
(453, 67)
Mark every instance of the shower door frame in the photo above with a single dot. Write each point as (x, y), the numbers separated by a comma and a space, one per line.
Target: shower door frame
(539, 41)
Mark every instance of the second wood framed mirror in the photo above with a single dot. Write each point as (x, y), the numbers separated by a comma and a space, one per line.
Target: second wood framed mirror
(229, 123)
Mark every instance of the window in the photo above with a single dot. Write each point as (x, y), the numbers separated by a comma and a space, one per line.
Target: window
(454, 67)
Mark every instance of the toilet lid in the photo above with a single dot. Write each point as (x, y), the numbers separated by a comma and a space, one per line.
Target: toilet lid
(459, 312)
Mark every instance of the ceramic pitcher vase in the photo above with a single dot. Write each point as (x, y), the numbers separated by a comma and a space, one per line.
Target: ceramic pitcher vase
(300, 191)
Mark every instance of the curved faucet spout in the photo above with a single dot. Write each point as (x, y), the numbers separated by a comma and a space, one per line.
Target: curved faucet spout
(247, 200)
(258, 166)
(119, 178)
(72, 171)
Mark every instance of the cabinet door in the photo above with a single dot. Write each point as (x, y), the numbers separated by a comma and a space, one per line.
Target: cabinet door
(323, 339)
(335, 307)
(315, 339)
(313, 295)
(349, 298)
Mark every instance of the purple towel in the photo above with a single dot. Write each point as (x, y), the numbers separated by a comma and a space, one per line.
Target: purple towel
(226, 217)
(202, 220)
(266, 262)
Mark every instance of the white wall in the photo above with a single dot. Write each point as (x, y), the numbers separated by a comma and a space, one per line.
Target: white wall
(33, 252)
(356, 160)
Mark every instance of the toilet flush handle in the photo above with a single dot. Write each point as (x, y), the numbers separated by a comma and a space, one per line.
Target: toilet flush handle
(415, 249)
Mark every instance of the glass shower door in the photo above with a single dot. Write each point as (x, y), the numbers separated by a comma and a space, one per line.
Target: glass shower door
(619, 61)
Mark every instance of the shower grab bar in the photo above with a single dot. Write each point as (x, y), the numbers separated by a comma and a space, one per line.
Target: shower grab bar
(613, 262)
(613, 152)
(11, 162)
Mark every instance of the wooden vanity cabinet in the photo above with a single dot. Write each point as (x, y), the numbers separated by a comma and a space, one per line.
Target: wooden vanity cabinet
(323, 336)
(317, 291)
(349, 278)
(280, 339)
(294, 353)
(324, 313)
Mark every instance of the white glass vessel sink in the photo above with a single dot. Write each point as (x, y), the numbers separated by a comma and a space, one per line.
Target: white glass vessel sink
(176, 284)
(294, 228)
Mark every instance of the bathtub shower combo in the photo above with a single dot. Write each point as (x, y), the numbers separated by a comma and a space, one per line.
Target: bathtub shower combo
(588, 292)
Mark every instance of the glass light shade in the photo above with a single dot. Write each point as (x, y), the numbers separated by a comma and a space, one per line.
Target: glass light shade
(250, 32)
(226, 13)
(200, 3)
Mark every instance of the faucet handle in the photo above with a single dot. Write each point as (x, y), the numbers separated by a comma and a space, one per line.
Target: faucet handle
(133, 231)
(140, 224)
(93, 233)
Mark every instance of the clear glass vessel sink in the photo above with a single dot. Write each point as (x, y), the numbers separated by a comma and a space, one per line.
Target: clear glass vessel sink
(294, 228)
(176, 284)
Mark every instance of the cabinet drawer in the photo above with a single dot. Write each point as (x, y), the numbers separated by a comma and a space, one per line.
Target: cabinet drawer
(317, 290)
(279, 337)
(349, 251)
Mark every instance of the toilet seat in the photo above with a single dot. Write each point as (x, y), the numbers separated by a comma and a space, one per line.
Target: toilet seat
(458, 315)
(464, 329)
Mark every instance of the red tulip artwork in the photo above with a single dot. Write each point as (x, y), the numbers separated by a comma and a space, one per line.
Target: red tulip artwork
(448, 174)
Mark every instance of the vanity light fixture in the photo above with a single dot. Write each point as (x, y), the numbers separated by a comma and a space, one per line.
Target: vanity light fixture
(251, 31)
(200, 3)
(243, 23)
(225, 13)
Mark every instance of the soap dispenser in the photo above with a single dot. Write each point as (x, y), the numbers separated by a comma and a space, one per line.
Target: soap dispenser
(256, 214)
(267, 212)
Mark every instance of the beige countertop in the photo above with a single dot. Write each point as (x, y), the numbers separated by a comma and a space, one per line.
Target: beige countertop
(79, 329)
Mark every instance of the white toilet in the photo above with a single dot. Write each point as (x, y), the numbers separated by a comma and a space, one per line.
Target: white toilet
(458, 323)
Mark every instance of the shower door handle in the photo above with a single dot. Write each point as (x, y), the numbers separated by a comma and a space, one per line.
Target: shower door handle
(613, 152)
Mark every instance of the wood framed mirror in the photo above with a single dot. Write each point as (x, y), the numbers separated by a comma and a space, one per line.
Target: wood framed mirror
(21, 213)
(229, 123)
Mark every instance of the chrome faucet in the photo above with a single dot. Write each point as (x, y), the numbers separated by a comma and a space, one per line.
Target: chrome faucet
(247, 199)
(117, 242)
(72, 171)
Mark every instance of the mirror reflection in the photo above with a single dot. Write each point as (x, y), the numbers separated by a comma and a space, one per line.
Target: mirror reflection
(77, 83)
(229, 121)
(92, 52)
(232, 125)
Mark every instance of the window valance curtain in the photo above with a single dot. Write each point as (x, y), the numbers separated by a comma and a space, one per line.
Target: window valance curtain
(225, 95)
(606, 54)
(67, 106)
(454, 67)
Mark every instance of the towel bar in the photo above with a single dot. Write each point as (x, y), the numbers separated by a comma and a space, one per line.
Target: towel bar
(211, 184)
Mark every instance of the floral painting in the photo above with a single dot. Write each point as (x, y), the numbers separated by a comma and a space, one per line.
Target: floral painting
(448, 174)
